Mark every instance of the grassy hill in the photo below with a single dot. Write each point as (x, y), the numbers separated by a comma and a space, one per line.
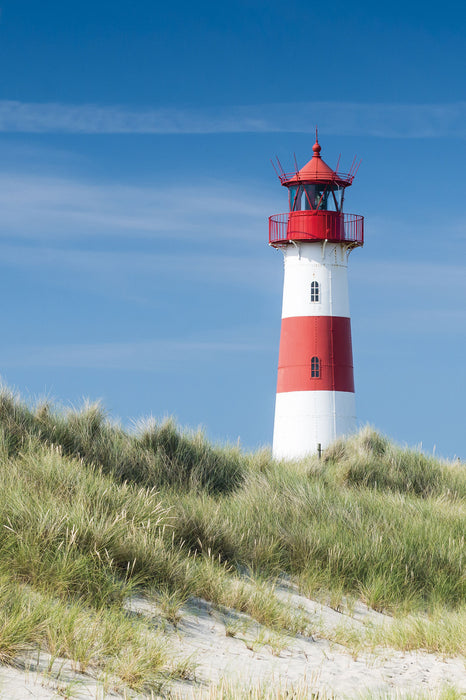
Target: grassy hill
(90, 513)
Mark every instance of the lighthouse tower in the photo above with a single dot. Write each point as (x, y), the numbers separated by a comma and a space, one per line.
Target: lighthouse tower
(315, 388)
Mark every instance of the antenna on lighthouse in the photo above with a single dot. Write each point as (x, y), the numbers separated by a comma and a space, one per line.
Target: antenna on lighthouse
(273, 166)
(357, 168)
(338, 163)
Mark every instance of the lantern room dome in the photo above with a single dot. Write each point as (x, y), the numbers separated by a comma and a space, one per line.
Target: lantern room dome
(316, 171)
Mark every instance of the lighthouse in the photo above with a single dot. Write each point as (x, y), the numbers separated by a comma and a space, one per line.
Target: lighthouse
(315, 400)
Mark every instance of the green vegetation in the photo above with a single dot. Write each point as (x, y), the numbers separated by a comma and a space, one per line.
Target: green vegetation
(91, 514)
(228, 691)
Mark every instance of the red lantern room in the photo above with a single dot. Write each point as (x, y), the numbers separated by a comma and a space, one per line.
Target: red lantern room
(316, 194)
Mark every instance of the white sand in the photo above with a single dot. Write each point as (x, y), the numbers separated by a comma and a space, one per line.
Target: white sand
(257, 656)
(32, 677)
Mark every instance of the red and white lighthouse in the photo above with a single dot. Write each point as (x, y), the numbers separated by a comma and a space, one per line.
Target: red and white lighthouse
(315, 389)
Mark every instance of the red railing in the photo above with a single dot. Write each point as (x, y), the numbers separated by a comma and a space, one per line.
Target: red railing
(344, 179)
(316, 225)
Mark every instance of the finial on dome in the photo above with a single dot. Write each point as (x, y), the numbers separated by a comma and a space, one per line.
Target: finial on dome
(316, 147)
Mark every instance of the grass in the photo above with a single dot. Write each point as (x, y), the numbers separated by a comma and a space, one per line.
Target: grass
(441, 632)
(104, 639)
(303, 691)
(394, 549)
(446, 692)
(91, 513)
(226, 690)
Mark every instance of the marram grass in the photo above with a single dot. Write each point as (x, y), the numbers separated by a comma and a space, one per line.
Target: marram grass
(91, 513)
(308, 690)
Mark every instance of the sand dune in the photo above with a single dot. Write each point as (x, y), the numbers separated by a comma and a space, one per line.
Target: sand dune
(225, 645)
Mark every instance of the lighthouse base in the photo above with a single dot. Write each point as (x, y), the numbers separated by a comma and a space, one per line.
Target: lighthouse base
(306, 419)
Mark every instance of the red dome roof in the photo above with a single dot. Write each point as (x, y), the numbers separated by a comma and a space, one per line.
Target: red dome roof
(316, 171)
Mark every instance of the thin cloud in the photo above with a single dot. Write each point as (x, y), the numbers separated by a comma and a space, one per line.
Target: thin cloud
(52, 207)
(410, 298)
(138, 268)
(339, 118)
(152, 355)
(401, 274)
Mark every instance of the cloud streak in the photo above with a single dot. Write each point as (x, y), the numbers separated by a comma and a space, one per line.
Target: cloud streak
(340, 118)
(52, 207)
(409, 298)
(160, 356)
(130, 269)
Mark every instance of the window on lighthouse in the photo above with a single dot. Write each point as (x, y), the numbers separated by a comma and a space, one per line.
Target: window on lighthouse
(322, 198)
(315, 368)
(316, 197)
(296, 195)
(315, 292)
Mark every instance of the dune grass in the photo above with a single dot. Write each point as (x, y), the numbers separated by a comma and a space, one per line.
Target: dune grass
(231, 691)
(154, 455)
(397, 542)
(91, 513)
(303, 691)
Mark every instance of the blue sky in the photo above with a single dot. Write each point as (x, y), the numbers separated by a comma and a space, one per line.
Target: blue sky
(135, 186)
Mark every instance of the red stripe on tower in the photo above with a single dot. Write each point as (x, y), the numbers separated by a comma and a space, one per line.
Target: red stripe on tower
(327, 339)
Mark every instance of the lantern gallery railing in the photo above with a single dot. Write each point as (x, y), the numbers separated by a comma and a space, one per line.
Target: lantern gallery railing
(316, 225)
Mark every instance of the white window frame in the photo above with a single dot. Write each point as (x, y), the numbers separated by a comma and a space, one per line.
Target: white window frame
(315, 367)
(315, 292)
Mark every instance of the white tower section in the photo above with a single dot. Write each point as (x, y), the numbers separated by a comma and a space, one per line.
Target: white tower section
(305, 419)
